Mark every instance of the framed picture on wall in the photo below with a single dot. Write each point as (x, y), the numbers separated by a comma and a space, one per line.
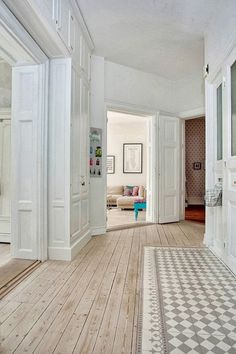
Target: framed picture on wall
(197, 165)
(110, 164)
(132, 158)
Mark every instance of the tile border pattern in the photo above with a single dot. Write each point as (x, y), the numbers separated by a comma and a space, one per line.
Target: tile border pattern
(188, 303)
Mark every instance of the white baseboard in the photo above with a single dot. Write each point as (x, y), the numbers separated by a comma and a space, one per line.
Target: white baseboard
(195, 201)
(79, 244)
(68, 253)
(100, 230)
(5, 238)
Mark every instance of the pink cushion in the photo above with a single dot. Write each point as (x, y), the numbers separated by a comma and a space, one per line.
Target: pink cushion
(127, 191)
(135, 191)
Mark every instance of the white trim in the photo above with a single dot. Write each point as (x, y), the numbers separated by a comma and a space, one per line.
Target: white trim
(193, 113)
(101, 230)
(6, 238)
(125, 107)
(195, 201)
(13, 27)
(218, 64)
(5, 113)
(20, 49)
(43, 162)
(83, 25)
(68, 253)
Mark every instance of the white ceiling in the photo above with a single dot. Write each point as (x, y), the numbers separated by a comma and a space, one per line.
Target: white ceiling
(120, 118)
(164, 37)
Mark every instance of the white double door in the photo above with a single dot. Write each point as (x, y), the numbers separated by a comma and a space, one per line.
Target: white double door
(5, 188)
(229, 164)
(221, 142)
(169, 169)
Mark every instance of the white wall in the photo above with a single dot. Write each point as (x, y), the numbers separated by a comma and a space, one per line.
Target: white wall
(189, 94)
(220, 35)
(5, 85)
(127, 85)
(118, 133)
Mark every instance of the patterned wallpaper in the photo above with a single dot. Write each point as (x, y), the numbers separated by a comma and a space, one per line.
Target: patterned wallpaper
(195, 152)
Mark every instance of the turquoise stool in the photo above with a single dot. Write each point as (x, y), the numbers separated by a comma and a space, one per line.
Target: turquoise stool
(137, 206)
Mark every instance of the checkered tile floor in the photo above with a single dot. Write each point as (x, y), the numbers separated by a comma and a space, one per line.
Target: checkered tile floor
(189, 303)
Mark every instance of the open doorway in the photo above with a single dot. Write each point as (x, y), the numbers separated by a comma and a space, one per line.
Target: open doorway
(128, 169)
(9, 268)
(195, 169)
(23, 154)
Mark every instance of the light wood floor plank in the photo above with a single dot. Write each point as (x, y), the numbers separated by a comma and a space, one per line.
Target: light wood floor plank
(89, 305)
(59, 297)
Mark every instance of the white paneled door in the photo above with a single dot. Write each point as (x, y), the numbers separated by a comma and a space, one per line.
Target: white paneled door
(25, 161)
(229, 195)
(5, 192)
(169, 169)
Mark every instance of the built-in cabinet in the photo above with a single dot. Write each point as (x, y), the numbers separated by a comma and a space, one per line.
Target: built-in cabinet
(69, 141)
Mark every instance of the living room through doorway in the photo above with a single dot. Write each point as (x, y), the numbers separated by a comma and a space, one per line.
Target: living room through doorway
(127, 169)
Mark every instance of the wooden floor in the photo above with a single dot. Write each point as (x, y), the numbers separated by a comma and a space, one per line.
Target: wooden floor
(117, 217)
(195, 213)
(89, 305)
(10, 268)
(5, 254)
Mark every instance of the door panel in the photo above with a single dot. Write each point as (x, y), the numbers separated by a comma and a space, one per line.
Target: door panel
(84, 148)
(25, 93)
(169, 164)
(218, 166)
(229, 201)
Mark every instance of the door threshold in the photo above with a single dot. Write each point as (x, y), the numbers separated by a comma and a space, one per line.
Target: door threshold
(18, 278)
(129, 226)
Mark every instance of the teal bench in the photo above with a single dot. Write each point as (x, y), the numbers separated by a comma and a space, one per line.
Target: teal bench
(137, 207)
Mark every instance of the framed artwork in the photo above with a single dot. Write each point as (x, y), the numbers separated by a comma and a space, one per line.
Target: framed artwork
(197, 165)
(132, 158)
(110, 164)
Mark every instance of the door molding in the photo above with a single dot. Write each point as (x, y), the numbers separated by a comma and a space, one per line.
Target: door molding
(20, 49)
(141, 111)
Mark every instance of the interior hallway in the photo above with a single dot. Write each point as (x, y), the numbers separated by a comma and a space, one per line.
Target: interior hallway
(90, 304)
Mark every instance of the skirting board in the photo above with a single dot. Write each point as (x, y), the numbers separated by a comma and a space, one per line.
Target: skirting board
(5, 238)
(195, 201)
(68, 253)
(101, 230)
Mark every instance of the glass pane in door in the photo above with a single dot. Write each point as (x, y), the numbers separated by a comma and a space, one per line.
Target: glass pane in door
(219, 123)
(233, 109)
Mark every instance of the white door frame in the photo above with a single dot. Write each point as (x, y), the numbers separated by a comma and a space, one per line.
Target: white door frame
(21, 50)
(138, 110)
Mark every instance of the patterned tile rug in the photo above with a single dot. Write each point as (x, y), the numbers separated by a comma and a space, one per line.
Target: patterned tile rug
(188, 303)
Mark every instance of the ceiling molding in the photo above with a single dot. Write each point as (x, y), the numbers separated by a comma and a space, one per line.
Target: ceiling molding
(16, 41)
(191, 114)
(83, 24)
